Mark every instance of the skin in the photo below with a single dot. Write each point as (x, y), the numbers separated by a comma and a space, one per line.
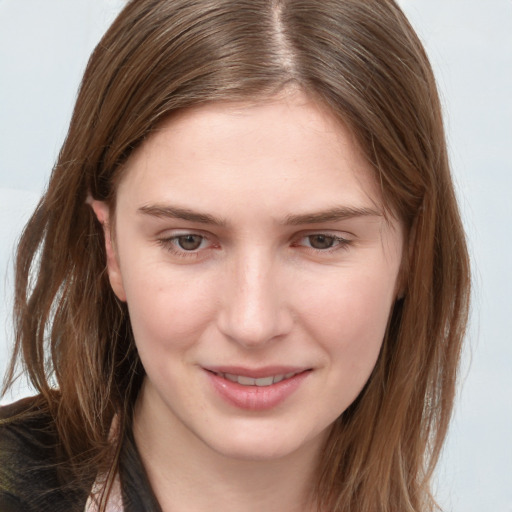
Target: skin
(275, 281)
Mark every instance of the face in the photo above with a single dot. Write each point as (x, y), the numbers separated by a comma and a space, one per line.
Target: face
(259, 272)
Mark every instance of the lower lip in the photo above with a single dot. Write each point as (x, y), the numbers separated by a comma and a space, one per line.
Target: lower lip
(256, 398)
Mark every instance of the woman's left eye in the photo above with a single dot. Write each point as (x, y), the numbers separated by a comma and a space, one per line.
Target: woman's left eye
(323, 242)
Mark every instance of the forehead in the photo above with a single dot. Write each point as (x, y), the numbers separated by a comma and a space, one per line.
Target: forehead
(288, 146)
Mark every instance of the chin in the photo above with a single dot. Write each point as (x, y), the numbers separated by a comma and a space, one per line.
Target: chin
(264, 446)
(255, 452)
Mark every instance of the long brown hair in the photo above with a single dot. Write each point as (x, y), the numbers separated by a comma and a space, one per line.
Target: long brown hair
(365, 63)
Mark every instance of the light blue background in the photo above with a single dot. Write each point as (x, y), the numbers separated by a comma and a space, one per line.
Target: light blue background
(44, 46)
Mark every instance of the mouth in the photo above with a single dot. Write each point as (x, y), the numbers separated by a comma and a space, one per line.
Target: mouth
(245, 380)
(257, 389)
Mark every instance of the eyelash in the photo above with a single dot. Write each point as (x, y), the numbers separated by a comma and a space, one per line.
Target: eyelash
(339, 243)
(170, 244)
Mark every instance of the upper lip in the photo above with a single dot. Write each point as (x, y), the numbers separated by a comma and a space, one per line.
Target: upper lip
(257, 373)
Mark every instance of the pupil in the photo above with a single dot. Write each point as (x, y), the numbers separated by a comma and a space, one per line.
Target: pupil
(321, 241)
(189, 242)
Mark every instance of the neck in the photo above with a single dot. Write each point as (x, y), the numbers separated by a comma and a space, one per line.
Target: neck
(186, 474)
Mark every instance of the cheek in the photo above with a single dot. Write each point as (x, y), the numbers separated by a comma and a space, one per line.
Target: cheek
(349, 324)
(167, 311)
(348, 317)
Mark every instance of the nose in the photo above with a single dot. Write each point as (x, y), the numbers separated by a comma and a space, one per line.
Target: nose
(255, 309)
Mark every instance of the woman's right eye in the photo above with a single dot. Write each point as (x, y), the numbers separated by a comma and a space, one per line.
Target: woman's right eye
(185, 244)
(189, 242)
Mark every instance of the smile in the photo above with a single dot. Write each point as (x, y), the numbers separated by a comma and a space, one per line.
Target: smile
(261, 382)
(256, 389)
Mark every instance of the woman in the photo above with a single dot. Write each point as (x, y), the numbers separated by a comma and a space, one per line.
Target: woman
(248, 275)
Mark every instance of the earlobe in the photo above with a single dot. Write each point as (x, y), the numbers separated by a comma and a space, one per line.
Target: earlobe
(102, 212)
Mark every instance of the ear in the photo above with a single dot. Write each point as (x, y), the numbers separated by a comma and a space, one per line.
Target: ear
(102, 212)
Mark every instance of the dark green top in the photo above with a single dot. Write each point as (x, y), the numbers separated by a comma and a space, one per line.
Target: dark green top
(29, 480)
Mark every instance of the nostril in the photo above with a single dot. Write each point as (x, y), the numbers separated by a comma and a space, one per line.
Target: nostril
(253, 313)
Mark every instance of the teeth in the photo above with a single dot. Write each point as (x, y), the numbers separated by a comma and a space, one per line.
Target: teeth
(246, 381)
(262, 382)
(266, 381)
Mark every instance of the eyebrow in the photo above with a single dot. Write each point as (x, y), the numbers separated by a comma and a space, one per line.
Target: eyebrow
(174, 212)
(329, 215)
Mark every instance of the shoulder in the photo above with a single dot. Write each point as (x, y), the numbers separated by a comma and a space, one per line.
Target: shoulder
(29, 479)
(26, 431)
(24, 421)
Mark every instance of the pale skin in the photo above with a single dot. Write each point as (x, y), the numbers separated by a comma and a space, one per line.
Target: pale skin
(249, 236)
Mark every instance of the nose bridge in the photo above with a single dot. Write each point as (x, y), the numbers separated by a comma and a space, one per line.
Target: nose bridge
(254, 312)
